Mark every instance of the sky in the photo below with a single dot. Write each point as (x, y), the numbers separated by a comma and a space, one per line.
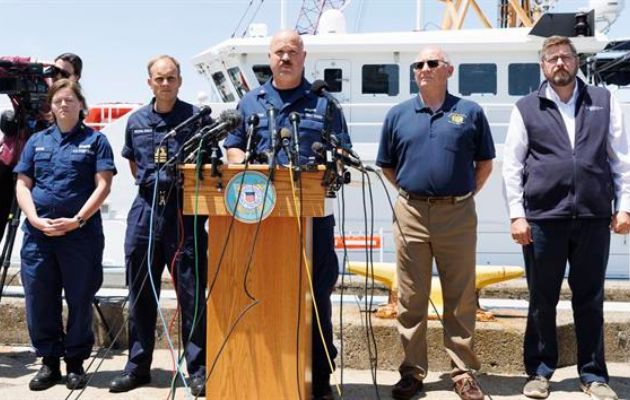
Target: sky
(116, 38)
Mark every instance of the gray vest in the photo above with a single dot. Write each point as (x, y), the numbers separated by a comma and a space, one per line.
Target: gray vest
(561, 182)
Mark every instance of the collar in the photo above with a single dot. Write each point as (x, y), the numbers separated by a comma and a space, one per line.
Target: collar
(272, 95)
(545, 91)
(157, 118)
(56, 133)
(448, 104)
(176, 106)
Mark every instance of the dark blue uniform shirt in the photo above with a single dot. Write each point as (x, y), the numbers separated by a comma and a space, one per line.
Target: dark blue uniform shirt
(433, 154)
(145, 130)
(62, 167)
(144, 145)
(301, 100)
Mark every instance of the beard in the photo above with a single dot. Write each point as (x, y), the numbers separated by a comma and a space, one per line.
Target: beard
(562, 77)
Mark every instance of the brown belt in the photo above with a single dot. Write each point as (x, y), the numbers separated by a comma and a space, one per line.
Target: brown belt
(434, 199)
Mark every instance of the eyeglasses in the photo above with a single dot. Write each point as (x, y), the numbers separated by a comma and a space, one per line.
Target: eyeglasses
(431, 63)
(566, 58)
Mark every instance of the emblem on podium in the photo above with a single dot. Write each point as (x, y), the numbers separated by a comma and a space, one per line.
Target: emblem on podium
(249, 195)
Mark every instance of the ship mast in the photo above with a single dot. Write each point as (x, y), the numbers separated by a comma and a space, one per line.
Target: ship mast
(511, 13)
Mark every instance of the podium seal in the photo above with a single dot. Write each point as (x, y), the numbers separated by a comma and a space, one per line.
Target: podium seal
(248, 206)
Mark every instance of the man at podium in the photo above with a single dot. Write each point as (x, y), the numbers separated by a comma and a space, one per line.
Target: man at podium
(276, 103)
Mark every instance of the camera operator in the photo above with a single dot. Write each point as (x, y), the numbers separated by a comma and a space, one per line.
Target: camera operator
(70, 66)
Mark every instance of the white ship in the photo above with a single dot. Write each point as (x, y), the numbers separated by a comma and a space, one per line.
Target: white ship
(370, 72)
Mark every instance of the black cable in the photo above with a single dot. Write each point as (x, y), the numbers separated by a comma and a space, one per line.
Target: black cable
(126, 320)
(369, 281)
(373, 283)
(342, 209)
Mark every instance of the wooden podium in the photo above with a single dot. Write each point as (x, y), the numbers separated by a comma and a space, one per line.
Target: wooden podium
(260, 349)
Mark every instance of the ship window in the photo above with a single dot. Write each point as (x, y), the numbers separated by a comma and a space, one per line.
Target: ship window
(238, 80)
(262, 72)
(380, 79)
(477, 79)
(413, 86)
(334, 79)
(222, 87)
(523, 78)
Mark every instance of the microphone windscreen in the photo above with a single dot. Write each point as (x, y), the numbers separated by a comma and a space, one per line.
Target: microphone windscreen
(231, 118)
(318, 86)
(205, 110)
(317, 147)
(285, 133)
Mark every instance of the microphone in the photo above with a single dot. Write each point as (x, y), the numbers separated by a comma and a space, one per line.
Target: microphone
(351, 161)
(203, 111)
(285, 141)
(294, 118)
(320, 88)
(252, 123)
(321, 155)
(273, 133)
(228, 121)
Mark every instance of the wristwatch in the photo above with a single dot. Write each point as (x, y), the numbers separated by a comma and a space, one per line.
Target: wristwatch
(81, 221)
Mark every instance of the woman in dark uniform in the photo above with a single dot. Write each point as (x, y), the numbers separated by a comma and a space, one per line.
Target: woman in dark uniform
(64, 175)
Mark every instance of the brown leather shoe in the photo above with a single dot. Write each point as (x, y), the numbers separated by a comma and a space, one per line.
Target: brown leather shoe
(406, 388)
(467, 388)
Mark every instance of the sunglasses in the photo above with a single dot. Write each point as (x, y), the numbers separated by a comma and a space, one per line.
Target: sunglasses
(430, 63)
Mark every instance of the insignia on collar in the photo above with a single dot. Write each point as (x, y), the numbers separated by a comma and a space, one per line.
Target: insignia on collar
(456, 118)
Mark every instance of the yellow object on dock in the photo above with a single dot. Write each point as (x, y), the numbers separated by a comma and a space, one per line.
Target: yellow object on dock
(385, 273)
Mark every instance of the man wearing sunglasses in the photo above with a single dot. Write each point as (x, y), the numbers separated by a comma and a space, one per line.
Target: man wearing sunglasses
(437, 150)
(566, 161)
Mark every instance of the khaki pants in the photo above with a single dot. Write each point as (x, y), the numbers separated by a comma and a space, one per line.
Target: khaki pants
(447, 233)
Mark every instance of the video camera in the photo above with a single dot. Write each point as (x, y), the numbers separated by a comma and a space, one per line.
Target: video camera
(26, 83)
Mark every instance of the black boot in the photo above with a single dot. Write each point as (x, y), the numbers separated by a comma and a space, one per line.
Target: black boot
(75, 377)
(47, 376)
(321, 387)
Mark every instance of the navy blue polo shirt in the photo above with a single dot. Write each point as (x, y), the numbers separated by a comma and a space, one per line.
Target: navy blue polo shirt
(62, 167)
(143, 139)
(433, 154)
(301, 100)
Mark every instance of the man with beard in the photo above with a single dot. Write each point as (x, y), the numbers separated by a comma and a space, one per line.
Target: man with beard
(566, 159)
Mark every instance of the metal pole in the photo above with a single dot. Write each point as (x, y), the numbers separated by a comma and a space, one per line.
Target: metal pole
(418, 15)
(283, 14)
